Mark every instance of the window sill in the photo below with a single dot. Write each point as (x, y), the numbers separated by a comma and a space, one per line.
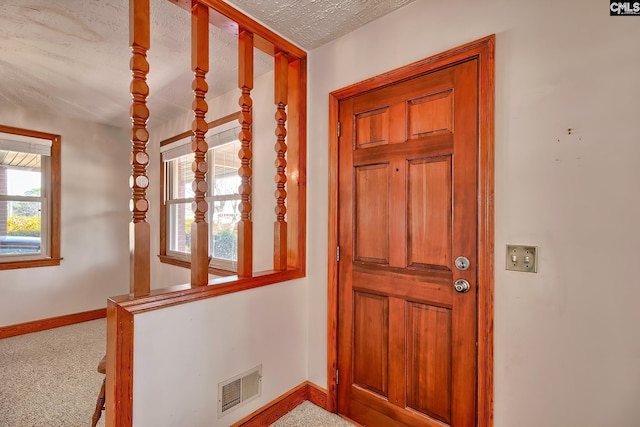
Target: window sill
(166, 259)
(32, 263)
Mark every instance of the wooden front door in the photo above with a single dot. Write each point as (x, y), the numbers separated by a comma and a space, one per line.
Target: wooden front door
(407, 208)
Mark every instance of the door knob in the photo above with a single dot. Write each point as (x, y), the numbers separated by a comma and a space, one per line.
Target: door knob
(461, 286)
(462, 263)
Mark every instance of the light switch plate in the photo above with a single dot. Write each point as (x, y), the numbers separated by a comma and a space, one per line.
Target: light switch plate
(522, 258)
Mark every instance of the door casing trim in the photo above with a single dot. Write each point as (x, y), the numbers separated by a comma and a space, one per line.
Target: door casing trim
(484, 51)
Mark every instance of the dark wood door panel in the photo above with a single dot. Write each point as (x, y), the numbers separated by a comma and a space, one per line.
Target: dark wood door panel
(407, 170)
(429, 216)
(436, 277)
(371, 213)
(367, 416)
(372, 128)
(426, 146)
(403, 93)
(397, 286)
(430, 113)
(429, 355)
(371, 342)
(387, 414)
(413, 109)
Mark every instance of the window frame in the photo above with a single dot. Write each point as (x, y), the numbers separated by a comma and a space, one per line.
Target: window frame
(217, 266)
(50, 211)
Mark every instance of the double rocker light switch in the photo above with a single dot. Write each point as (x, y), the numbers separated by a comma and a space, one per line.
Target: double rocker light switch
(522, 258)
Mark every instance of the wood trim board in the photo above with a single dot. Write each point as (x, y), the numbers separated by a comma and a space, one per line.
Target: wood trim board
(119, 377)
(227, 18)
(484, 51)
(50, 323)
(279, 407)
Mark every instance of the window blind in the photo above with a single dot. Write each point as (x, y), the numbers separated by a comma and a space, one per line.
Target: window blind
(183, 147)
(34, 146)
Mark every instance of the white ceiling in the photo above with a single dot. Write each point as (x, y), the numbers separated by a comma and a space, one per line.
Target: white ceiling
(71, 57)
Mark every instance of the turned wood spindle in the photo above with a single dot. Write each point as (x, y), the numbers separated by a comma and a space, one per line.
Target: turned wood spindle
(245, 83)
(280, 225)
(200, 67)
(139, 182)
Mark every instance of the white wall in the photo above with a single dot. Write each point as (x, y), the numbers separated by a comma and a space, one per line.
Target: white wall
(566, 348)
(94, 218)
(263, 202)
(211, 341)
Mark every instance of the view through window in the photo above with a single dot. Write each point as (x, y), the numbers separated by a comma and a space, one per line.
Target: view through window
(222, 196)
(26, 190)
(21, 209)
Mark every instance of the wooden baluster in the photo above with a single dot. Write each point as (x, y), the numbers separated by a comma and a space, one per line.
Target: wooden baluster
(280, 225)
(296, 149)
(200, 67)
(245, 83)
(139, 231)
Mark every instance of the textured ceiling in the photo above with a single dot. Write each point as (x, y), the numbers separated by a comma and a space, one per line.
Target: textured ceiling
(71, 57)
(312, 23)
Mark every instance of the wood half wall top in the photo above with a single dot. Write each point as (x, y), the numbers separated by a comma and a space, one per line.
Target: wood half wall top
(225, 17)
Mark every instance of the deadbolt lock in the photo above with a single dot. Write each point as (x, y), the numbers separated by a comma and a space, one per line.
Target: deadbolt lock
(462, 263)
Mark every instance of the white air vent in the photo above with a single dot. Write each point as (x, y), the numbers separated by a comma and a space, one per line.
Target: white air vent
(238, 390)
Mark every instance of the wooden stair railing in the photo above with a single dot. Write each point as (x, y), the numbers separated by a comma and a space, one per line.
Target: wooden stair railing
(280, 226)
(245, 83)
(287, 245)
(200, 66)
(139, 230)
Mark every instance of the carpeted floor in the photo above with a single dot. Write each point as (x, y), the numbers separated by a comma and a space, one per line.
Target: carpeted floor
(49, 379)
(309, 415)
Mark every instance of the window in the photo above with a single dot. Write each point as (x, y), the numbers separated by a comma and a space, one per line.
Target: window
(29, 198)
(222, 196)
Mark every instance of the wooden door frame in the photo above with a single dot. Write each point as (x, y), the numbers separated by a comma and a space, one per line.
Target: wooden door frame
(483, 50)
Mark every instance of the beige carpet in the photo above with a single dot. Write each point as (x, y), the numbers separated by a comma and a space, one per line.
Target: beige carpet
(309, 415)
(49, 379)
